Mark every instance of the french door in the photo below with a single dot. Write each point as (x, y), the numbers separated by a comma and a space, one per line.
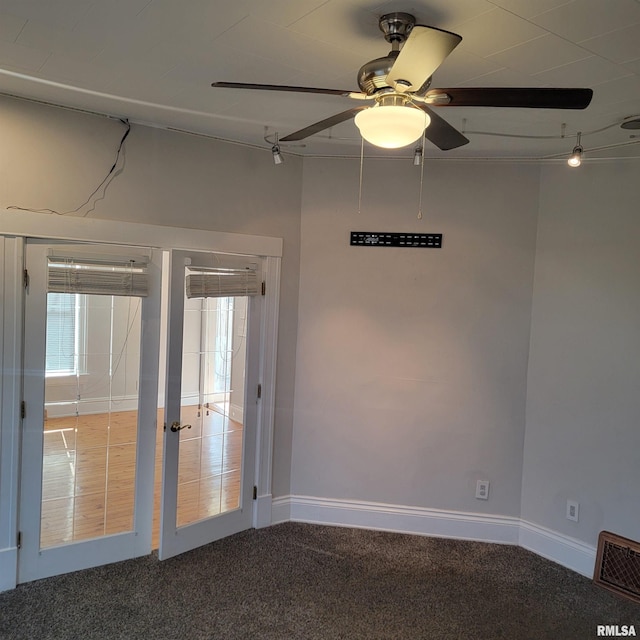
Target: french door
(210, 399)
(90, 396)
(101, 450)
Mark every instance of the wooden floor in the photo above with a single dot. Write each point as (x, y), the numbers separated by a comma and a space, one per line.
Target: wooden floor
(89, 473)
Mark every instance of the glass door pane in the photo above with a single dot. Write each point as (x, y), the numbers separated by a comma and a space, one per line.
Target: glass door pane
(213, 371)
(90, 416)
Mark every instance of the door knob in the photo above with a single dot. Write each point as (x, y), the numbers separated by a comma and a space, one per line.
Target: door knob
(176, 426)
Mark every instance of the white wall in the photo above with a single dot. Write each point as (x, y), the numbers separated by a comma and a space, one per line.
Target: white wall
(53, 158)
(583, 403)
(411, 367)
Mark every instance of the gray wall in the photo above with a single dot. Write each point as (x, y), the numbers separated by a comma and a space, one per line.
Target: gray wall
(412, 363)
(583, 403)
(53, 158)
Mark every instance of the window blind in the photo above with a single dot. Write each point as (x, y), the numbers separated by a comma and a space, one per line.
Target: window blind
(99, 277)
(222, 283)
(61, 334)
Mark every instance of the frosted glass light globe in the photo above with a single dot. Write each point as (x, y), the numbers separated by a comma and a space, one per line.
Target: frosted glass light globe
(392, 126)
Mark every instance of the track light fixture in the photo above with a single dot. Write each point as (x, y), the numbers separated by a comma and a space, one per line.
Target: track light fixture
(275, 151)
(575, 160)
(417, 157)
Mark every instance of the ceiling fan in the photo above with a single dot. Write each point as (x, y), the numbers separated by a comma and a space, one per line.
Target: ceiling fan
(400, 86)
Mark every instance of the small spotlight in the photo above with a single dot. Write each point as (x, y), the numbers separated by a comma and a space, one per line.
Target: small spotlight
(417, 157)
(275, 151)
(277, 156)
(576, 157)
(575, 160)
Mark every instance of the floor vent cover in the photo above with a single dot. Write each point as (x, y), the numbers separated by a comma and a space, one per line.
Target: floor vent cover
(618, 565)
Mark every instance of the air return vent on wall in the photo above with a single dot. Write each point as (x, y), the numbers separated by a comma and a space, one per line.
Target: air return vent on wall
(618, 565)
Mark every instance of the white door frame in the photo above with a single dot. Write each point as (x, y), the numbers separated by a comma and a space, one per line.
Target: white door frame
(11, 323)
(14, 226)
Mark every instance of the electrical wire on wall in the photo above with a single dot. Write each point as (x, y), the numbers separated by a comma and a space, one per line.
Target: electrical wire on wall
(99, 192)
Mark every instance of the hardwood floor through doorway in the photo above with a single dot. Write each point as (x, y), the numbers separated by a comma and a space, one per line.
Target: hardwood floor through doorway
(89, 472)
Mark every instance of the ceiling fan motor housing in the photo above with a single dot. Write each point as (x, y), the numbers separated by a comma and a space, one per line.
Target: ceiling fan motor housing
(373, 75)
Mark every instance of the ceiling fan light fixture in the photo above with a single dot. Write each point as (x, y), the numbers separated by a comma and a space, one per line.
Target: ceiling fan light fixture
(400, 83)
(391, 126)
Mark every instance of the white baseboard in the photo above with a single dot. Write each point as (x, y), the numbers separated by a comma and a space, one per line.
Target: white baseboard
(566, 551)
(92, 406)
(401, 519)
(262, 511)
(104, 405)
(8, 568)
(280, 510)
(236, 413)
(569, 552)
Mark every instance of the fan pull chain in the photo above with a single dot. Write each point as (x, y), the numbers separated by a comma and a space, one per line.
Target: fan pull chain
(421, 177)
(360, 184)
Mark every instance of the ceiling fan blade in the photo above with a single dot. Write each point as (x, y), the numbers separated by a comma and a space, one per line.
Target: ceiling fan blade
(424, 51)
(440, 132)
(528, 98)
(322, 125)
(282, 87)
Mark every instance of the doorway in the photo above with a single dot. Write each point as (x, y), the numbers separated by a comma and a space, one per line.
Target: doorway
(107, 473)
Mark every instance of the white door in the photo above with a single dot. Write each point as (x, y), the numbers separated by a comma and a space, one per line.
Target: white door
(90, 396)
(210, 401)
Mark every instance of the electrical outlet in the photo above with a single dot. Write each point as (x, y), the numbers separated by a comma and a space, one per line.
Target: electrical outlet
(573, 509)
(482, 490)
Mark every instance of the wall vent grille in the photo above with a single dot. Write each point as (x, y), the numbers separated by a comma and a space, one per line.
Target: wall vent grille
(618, 565)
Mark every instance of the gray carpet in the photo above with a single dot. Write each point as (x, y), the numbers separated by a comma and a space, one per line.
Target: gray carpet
(305, 581)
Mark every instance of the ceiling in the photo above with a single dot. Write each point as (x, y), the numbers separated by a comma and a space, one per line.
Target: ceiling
(153, 61)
